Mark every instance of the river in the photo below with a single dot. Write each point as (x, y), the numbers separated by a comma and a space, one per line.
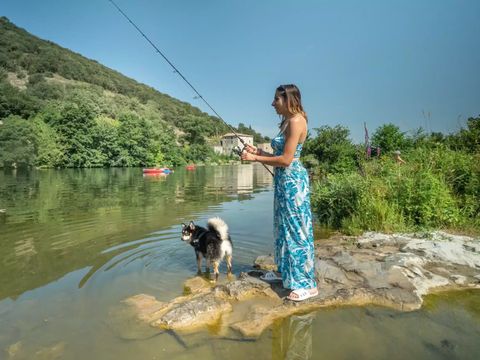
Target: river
(76, 242)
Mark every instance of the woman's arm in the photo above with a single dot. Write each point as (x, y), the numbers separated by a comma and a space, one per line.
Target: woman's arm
(292, 136)
(256, 151)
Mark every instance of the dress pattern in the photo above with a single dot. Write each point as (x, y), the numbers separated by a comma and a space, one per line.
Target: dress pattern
(293, 228)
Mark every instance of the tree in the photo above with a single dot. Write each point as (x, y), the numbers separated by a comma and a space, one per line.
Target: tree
(333, 149)
(49, 150)
(468, 139)
(196, 129)
(17, 142)
(105, 141)
(75, 126)
(16, 102)
(135, 141)
(389, 138)
(257, 137)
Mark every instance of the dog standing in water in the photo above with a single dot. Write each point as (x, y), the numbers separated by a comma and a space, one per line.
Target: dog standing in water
(212, 243)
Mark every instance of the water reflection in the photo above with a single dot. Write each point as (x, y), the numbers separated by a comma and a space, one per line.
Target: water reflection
(57, 221)
(293, 339)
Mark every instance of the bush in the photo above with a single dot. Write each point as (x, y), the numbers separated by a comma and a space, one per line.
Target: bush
(424, 199)
(390, 198)
(337, 198)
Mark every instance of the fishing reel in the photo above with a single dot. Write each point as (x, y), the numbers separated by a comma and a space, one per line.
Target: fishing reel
(237, 150)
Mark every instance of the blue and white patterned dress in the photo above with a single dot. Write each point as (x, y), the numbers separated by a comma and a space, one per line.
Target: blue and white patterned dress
(293, 228)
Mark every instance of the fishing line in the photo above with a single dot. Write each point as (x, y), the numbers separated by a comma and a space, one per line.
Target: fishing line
(199, 96)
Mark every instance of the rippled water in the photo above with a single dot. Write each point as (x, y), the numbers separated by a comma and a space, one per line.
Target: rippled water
(74, 243)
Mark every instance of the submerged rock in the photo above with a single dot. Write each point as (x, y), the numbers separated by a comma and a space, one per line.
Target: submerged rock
(389, 270)
(265, 262)
(52, 352)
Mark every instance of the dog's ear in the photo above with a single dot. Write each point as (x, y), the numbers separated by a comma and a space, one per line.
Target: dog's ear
(191, 225)
(183, 226)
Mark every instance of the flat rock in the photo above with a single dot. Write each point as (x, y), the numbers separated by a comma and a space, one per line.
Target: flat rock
(198, 311)
(390, 270)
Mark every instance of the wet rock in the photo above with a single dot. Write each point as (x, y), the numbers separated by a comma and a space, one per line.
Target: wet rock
(52, 352)
(197, 285)
(389, 270)
(145, 305)
(19, 351)
(247, 287)
(129, 320)
(14, 350)
(195, 312)
(265, 262)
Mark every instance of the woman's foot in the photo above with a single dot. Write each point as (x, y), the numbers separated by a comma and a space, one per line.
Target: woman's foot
(302, 294)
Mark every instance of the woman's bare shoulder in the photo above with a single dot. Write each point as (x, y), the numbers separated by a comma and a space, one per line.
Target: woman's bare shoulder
(297, 121)
(297, 118)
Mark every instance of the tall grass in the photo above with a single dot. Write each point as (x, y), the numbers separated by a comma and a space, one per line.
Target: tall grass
(436, 188)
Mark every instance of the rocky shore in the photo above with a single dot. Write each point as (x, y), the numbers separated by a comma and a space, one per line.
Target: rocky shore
(388, 270)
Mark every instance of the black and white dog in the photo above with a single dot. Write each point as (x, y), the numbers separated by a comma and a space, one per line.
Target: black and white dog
(213, 243)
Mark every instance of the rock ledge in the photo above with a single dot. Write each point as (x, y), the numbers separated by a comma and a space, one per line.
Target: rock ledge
(389, 270)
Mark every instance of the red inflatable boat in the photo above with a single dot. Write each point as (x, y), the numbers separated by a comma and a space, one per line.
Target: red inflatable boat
(157, 171)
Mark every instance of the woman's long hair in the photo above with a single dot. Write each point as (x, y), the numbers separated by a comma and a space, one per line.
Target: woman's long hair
(292, 97)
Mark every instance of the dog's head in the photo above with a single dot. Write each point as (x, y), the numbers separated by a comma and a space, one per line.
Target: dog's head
(187, 232)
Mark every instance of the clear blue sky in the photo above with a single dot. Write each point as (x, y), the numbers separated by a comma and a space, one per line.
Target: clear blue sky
(355, 61)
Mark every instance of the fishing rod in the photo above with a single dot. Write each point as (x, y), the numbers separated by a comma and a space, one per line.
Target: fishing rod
(237, 150)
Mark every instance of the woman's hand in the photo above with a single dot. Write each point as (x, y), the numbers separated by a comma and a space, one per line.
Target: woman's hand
(251, 149)
(248, 156)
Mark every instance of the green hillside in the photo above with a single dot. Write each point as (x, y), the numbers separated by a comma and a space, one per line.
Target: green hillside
(60, 109)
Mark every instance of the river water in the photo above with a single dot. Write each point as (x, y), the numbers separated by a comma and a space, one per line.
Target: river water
(75, 243)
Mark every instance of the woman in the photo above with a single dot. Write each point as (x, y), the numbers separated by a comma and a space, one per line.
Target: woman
(293, 232)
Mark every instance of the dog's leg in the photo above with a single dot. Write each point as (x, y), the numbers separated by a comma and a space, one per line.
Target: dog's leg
(215, 269)
(199, 262)
(208, 265)
(228, 258)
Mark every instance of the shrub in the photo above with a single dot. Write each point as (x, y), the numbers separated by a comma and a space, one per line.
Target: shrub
(337, 198)
(387, 198)
(424, 198)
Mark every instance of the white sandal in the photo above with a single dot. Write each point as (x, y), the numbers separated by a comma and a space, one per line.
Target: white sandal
(270, 277)
(302, 294)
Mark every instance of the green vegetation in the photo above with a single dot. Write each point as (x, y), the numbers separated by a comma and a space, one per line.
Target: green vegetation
(59, 109)
(437, 187)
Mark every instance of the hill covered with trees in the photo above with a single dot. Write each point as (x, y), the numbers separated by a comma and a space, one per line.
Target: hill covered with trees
(60, 109)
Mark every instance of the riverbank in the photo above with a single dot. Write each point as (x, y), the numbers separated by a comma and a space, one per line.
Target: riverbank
(395, 271)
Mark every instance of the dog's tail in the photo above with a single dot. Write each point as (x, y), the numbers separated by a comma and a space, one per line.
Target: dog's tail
(218, 225)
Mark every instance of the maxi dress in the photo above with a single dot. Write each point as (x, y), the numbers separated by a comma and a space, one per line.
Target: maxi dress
(293, 228)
